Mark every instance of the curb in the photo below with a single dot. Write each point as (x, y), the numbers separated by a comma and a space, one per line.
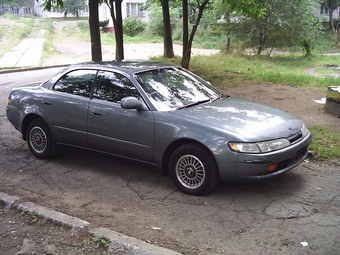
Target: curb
(118, 242)
(24, 69)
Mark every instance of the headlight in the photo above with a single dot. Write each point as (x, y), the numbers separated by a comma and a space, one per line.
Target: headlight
(259, 147)
(244, 147)
(304, 130)
(273, 145)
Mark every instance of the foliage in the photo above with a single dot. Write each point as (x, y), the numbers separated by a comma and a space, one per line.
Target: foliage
(249, 8)
(284, 23)
(12, 35)
(155, 25)
(326, 142)
(48, 47)
(133, 26)
(101, 242)
(48, 4)
(33, 218)
(17, 4)
(74, 7)
(227, 70)
(10, 16)
(83, 27)
(332, 5)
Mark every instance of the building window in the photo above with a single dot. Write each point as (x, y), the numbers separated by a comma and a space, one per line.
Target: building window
(133, 9)
(323, 10)
(27, 10)
(105, 13)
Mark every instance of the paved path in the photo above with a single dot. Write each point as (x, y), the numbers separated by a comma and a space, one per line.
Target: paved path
(29, 51)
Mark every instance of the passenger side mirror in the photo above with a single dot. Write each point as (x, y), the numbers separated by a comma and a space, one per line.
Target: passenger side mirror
(132, 103)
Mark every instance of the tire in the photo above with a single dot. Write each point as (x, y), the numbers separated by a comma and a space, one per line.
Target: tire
(194, 170)
(40, 139)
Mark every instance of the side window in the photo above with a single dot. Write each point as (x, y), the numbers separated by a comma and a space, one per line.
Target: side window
(113, 87)
(78, 82)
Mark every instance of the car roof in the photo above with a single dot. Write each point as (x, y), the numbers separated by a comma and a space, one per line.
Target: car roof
(128, 66)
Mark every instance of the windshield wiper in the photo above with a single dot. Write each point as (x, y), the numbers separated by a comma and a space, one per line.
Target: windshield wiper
(219, 97)
(192, 104)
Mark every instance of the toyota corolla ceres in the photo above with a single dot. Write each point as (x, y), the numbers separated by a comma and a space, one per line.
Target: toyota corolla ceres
(160, 114)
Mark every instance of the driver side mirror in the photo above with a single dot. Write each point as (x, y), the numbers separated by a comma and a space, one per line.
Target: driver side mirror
(132, 103)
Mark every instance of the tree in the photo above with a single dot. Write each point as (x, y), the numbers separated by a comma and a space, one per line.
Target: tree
(249, 8)
(331, 6)
(334, 24)
(96, 48)
(116, 14)
(281, 23)
(253, 8)
(16, 5)
(187, 42)
(168, 45)
(74, 7)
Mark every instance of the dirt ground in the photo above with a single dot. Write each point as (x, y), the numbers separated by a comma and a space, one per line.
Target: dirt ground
(20, 235)
(23, 234)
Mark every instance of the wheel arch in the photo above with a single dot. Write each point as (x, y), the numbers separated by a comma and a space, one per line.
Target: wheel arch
(176, 144)
(26, 121)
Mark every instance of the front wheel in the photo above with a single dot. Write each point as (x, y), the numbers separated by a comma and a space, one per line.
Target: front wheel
(40, 139)
(193, 170)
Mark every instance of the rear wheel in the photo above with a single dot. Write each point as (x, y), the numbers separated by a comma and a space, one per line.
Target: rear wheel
(40, 139)
(193, 170)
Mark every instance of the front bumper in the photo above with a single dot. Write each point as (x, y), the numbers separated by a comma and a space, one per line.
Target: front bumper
(256, 166)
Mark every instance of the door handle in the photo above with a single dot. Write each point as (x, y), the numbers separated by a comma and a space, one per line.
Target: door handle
(96, 113)
(46, 102)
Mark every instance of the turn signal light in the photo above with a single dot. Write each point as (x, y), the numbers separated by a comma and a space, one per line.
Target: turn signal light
(272, 167)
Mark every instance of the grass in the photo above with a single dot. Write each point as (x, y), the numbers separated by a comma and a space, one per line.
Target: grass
(326, 142)
(279, 69)
(48, 47)
(32, 218)
(15, 29)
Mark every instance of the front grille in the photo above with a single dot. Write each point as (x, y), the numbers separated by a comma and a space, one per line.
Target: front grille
(298, 155)
(292, 139)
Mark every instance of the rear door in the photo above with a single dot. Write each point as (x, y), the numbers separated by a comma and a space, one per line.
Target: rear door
(66, 106)
(112, 129)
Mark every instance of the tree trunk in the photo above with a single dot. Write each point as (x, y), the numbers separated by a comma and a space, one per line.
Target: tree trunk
(186, 59)
(262, 42)
(116, 15)
(119, 31)
(330, 19)
(185, 34)
(96, 47)
(168, 46)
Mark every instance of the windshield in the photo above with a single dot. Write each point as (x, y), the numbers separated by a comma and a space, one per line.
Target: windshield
(175, 88)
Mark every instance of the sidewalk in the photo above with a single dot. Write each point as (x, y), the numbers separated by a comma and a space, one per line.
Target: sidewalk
(27, 53)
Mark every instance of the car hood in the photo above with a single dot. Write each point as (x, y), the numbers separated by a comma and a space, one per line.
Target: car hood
(244, 119)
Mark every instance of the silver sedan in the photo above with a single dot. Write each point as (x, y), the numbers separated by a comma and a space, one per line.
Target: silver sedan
(160, 114)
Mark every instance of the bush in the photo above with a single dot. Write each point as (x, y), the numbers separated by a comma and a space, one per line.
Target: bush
(10, 16)
(133, 26)
(156, 25)
(83, 26)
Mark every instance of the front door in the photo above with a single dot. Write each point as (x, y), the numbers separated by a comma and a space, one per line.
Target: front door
(112, 129)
